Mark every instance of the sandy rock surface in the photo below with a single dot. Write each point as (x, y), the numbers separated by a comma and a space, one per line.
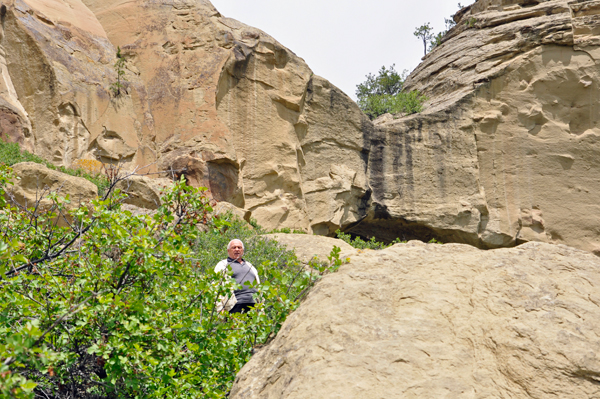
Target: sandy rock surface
(35, 182)
(224, 207)
(309, 246)
(202, 95)
(440, 321)
(506, 150)
(143, 191)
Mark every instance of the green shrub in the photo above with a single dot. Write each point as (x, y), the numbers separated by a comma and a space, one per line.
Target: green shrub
(403, 102)
(383, 93)
(120, 306)
(359, 243)
(11, 153)
(287, 230)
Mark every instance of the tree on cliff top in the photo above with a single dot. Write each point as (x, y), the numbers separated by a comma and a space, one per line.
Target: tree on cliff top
(425, 33)
(382, 93)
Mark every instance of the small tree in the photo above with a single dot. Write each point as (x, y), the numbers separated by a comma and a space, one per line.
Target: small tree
(387, 82)
(120, 70)
(437, 39)
(424, 32)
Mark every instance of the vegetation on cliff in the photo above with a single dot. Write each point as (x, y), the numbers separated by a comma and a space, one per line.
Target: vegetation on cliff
(114, 305)
(382, 93)
(11, 153)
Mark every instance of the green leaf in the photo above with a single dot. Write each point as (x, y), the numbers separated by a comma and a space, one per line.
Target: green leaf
(29, 386)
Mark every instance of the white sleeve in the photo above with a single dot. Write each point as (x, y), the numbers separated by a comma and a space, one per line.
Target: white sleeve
(222, 265)
(253, 269)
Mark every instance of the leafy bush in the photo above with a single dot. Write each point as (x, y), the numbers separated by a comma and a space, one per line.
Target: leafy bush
(120, 306)
(383, 93)
(11, 153)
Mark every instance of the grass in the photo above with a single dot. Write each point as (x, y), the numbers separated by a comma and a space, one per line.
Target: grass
(287, 230)
(11, 153)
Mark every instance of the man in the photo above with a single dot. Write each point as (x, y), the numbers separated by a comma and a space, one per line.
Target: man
(243, 273)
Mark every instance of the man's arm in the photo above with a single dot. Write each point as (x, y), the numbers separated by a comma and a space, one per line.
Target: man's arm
(254, 271)
(222, 265)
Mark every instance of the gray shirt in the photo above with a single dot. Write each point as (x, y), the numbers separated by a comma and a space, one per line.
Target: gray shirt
(244, 276)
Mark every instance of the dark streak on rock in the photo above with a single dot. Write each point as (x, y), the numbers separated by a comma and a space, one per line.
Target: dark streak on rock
(410, 178)
(376, 164)
(397, 148)
(364, 203)
(310, 92)
(242, 59)
(368, 131)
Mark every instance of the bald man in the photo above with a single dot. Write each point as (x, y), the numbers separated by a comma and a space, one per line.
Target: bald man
(243, 273)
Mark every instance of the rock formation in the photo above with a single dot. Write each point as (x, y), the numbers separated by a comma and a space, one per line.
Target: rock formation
(34, 182)
(440, 321)
(506, 150)
(203, 95)
(308, 247)
(143, 191)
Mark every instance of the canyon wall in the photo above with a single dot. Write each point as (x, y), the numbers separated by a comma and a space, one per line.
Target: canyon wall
(504, 152)
(200, 94)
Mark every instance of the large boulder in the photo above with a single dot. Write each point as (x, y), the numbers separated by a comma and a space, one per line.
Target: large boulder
(506, 150)
(222, 208)
(34, 182)
(440, 321)
(143, 191)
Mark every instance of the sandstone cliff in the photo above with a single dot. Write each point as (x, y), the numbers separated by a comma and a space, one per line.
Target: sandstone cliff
(507, 148)
(505, 152)
(222, 102)
(440, 321)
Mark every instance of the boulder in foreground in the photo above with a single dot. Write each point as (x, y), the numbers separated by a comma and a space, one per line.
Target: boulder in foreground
(440, 321)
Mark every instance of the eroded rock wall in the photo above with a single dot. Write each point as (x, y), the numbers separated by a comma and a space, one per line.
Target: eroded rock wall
(61, 65)
(244, 115)
(201, 95)
(507, 148)
(504, 152)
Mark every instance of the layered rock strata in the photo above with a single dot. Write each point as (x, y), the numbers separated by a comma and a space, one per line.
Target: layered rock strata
(504, 152)
(507, 148)
(197, 94)
(440, 321)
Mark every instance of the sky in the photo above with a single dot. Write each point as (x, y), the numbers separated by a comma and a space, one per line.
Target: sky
(344, 40)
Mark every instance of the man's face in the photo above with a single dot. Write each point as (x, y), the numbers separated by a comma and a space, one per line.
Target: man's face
(236, 250)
